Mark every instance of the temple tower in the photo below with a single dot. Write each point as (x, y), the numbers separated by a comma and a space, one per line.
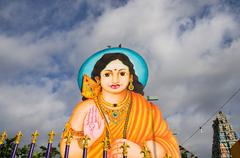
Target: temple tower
(223, 137)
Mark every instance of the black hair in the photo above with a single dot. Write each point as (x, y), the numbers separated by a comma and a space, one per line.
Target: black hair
(107, 58)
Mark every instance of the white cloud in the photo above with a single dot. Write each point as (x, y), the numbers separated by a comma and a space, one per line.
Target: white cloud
(29, 108)
(191, 71)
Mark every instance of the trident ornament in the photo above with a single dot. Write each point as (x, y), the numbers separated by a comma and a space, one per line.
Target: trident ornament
(167, 156)
(34, 140)
(106, 146)
(146, 152)
(50, 141)
(17, 141)
(3, 137)
(69, 137)
(124, 147)
(85, 140)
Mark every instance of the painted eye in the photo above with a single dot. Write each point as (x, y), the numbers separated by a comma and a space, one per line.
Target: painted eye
(122, 73)
(106, 74)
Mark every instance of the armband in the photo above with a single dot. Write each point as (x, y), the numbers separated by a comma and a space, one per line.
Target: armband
(75, 134)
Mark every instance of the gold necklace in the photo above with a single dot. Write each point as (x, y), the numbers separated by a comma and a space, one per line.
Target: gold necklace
(115, 112)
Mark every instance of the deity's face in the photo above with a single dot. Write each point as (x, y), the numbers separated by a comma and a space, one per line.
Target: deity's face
(115, 77)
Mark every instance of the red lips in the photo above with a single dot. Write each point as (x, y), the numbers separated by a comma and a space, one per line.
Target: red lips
(115, 86)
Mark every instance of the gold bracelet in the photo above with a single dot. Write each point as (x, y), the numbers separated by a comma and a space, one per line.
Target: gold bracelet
(68, 128)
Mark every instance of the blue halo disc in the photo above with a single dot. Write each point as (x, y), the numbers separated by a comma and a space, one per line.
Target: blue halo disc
(139, 63)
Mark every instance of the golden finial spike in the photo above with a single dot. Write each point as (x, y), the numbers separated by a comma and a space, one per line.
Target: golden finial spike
(85, 141)
(34, 137)
(67, 129)
(51, 136)
(67, 134)
(146, 152)
(69, 138)
(124, 147)
(3, 137)
(167, 156)
(106, 144)
(18, 137)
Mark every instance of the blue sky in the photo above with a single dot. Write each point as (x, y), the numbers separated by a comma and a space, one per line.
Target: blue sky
(191, 48)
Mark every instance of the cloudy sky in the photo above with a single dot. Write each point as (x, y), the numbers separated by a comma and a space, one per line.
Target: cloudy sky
(191, 48)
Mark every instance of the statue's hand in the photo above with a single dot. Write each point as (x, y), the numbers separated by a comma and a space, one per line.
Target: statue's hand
(93, 125)
(134, 150)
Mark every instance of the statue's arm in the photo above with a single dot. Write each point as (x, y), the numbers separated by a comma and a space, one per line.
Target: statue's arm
(85, 119)
(76, 121)
(163, 141)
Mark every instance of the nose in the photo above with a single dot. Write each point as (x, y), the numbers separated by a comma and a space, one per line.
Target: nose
(115, 78)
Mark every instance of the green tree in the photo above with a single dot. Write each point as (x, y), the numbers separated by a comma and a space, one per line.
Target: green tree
(7, 148)
(54, 151)
(22, 152)
(184, 154)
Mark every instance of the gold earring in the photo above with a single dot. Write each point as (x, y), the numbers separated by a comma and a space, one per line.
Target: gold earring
(131, 86)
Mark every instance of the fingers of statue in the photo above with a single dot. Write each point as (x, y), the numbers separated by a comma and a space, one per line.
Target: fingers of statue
(91, 113)
(99, 121)
(133, 149)
(89, 121)
(95, 114)
(116, 156)
(87, 118)
(116, 146)
(96, 118)
(116, 150)
(93, 123)
(121, 141)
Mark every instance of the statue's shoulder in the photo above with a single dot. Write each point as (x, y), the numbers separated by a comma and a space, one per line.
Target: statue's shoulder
(139, 97)
(84, 106)
(80, 111)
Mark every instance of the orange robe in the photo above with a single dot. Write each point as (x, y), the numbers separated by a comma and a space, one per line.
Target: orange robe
(145, 123)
